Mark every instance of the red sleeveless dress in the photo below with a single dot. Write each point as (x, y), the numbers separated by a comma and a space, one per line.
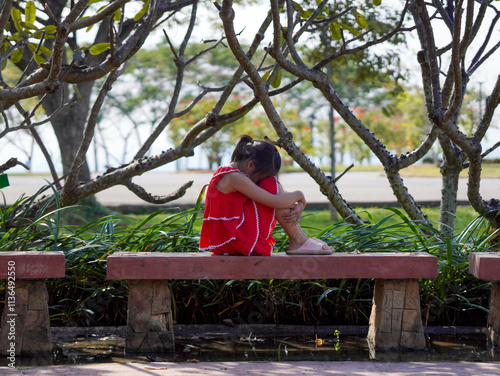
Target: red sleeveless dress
(234, 224)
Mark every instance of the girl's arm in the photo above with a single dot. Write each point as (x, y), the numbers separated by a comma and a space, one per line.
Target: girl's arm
(237, 182)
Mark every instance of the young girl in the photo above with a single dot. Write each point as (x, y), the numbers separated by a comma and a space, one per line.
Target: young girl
(243, 202)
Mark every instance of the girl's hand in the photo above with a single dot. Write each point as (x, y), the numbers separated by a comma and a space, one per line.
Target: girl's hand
(294, 213)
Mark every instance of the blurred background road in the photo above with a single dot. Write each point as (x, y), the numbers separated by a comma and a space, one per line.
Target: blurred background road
(358, 188)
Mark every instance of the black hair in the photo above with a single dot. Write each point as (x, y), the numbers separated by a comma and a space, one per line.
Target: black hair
(266, 157)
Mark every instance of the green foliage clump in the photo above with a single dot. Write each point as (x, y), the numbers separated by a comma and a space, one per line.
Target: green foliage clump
(85, 297)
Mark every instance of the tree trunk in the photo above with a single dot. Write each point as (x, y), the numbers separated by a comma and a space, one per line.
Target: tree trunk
(448, 209)
(69, 125)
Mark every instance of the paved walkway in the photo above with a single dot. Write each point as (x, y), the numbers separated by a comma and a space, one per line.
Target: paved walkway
(355, 187)
(266, 369)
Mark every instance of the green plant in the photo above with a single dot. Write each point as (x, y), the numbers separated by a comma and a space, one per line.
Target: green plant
(85, 297)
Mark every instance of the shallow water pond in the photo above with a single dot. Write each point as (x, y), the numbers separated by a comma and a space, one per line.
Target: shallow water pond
(219, 343)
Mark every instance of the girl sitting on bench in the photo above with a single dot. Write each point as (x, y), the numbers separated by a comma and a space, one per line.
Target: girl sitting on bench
(243, 202)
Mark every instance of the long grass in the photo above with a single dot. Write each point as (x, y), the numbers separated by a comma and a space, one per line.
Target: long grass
(85, 297)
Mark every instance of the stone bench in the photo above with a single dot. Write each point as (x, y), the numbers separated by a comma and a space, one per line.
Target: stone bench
(486, 266)
(395, 321)
(25, 325)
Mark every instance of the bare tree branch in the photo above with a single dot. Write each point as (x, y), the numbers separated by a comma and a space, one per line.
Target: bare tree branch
(12, 162)
(47, 157)
(154, 199)
(285, 139)
(492, 102)
(455, 61)
(88, 136)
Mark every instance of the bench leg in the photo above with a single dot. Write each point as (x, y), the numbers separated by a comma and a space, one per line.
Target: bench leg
(395, 320)
(494, 315)
(25, 320)
(149, 317)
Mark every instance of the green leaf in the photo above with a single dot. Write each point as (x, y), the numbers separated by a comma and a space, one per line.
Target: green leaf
(32, 47)
(17, 55)
(99, 48)
(307, 14)
(377, 2)
(277, 80)
(28, 26)
(325, 9)
(15, 38)
(50, 29)
(45, 50)
(144, 9)
(360, 19)
(5, 48)
(117, 15)
(37, 34)
(16, 17)
(101, 8)
(93, 2)
(299, 9)
(349, 28)
(4, 63)
(39, 60)
(335, 31)
(30, 13)
(266, 75)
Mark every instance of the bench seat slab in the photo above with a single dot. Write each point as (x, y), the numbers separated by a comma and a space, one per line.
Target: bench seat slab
(485, 265)
(33, 264)
(196, 265)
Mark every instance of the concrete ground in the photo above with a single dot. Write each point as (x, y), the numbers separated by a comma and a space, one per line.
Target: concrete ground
(356, 187)
(268, 369)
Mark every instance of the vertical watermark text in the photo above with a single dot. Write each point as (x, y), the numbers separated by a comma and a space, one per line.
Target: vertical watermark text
(10, 306)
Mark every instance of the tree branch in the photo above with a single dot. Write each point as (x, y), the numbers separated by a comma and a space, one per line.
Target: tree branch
(492, 102)
(455, 62)
(88, 135)
(154, 199)
(12, 162)
(97, 17)
(47, 157)
(285, 138)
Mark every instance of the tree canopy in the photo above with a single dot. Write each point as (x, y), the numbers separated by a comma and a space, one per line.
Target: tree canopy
(62, 80)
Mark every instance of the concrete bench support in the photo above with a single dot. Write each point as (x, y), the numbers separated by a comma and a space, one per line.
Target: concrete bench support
(486, 266)
(25, 324)
(149, 321)
(395, 321)
(494, 315)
